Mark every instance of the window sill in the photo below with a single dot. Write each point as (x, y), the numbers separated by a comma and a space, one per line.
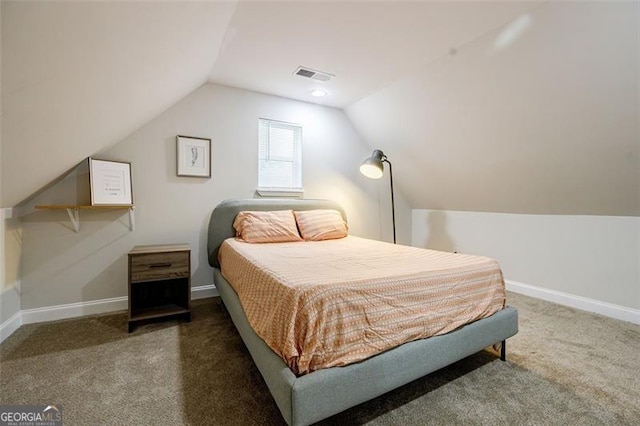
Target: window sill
(279, 193)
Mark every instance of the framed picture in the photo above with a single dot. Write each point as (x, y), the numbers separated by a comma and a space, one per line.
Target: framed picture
(193, 156)
(110, 183)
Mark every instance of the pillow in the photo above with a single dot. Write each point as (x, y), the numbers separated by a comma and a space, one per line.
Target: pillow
(266, 227)
(318, 225)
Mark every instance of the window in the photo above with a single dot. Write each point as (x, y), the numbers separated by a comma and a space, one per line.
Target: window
(279, 157)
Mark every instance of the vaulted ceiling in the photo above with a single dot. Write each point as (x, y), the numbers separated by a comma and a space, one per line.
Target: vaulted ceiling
(78, 77)
(485, 106)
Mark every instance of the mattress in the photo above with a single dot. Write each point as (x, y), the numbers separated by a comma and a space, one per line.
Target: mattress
(331, 303)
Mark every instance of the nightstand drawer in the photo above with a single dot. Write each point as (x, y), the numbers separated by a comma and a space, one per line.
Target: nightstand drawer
(154, 266)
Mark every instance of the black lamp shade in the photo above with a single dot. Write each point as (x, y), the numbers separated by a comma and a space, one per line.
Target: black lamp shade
(372, 167)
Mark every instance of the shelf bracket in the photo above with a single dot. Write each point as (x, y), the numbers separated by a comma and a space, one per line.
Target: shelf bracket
(132, 220)
(74, 215)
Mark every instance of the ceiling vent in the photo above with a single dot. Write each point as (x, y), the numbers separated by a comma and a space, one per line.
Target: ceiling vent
(313, 74)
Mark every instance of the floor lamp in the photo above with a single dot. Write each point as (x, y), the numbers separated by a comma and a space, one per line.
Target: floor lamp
(373, 168)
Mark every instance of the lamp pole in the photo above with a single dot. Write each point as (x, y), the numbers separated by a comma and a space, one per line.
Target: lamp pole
(393, 204)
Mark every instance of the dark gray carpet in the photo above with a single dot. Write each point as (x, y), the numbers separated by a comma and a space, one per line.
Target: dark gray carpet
(564, 367)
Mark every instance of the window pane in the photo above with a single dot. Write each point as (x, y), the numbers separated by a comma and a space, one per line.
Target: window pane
(276, 174)
(281, 143)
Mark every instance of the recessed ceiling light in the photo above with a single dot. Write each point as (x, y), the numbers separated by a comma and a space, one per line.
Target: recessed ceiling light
(318, 93)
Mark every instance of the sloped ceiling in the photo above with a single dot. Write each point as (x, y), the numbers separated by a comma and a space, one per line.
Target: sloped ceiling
(483, 106)
(546, 123)
(365, 44)
(78, 77)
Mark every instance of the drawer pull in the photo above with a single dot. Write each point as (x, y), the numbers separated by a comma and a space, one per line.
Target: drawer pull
(160, 265)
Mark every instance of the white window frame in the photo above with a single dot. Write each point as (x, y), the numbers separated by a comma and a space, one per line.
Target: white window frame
(294, 190)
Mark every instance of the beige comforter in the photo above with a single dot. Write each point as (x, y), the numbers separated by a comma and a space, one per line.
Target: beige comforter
(330, 303)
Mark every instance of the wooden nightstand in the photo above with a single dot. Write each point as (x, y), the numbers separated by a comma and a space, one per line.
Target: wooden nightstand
(159, 282)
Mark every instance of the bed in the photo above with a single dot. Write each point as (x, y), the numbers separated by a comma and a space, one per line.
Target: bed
(317, 394)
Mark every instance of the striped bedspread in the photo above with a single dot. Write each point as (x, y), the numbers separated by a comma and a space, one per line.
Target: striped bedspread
(329, 303)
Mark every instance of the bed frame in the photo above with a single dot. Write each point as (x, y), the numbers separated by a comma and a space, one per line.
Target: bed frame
(310, 398)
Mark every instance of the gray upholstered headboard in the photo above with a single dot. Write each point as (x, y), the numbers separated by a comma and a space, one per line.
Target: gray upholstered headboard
(222, 217)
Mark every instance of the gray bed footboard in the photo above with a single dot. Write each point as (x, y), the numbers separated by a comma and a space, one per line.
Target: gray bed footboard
(323, 393)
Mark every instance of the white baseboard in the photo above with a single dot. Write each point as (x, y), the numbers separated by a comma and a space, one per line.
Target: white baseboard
(590, 305)
(72, 310)
(204, 291)
(9, 326)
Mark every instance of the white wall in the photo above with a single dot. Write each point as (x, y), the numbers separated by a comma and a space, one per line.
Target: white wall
(60, 266)
(10, 252)
(594, 257)
(9, 296)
